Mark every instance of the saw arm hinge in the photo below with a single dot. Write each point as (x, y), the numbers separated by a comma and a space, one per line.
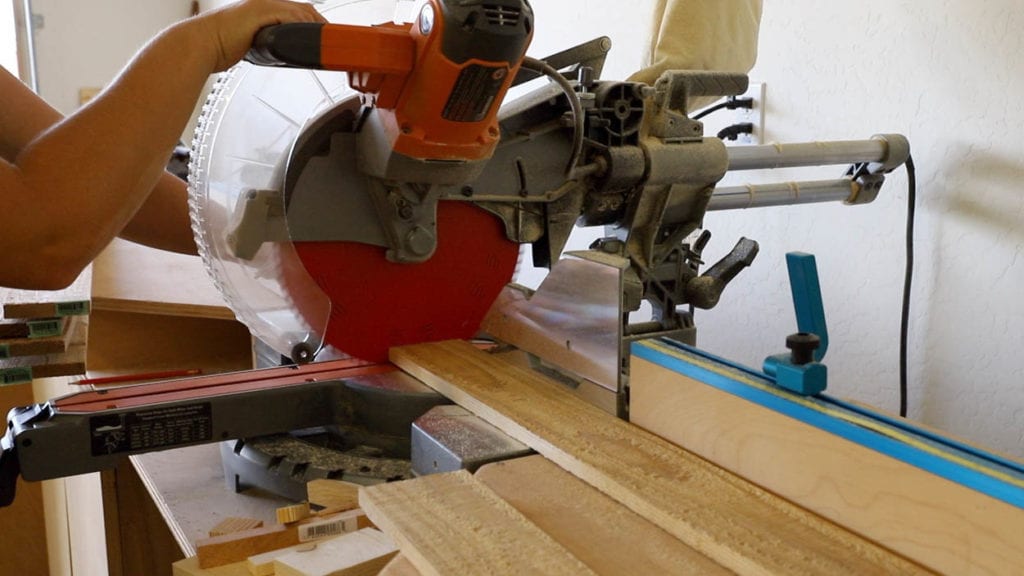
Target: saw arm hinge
(801, 370)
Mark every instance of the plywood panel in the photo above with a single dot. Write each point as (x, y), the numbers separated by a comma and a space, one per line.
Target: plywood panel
(941, 524)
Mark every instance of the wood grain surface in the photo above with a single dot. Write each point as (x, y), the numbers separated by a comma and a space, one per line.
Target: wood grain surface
(740, 526)
(452, 524)
(943, 525)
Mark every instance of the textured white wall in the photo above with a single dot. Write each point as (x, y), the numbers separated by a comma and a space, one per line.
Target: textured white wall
(948, 75)
(85, 44)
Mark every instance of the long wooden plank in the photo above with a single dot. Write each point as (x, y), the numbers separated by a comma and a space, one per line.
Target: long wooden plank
(453, 524)
(69, 362)
(40, 303)
(605, 535)
(943, 525)
(737, 524)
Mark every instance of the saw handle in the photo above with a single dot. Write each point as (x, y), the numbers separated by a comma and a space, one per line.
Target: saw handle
(386, 49)
(292, 45)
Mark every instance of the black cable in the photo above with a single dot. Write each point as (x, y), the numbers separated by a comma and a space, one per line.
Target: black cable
(707, 111)
(544, 68)
(733, 132)
(908, 281)
(731, 104)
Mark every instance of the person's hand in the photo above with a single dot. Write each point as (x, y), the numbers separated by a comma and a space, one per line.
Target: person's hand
(230, 30)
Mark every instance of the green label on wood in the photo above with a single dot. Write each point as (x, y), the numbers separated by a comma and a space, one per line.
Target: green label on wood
(79, 308)
(45, 328)
(5, 351)
(12, 376)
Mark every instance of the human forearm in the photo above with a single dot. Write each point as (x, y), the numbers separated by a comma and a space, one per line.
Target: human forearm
(74, 184)
(163, 220)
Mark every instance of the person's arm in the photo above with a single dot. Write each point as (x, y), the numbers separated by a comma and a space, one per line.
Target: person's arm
(68, 190)
(163, 221)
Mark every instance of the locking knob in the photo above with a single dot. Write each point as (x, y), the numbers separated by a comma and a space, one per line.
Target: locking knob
(802, 346)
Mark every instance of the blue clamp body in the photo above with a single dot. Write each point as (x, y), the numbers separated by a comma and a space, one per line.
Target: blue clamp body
(801, 370)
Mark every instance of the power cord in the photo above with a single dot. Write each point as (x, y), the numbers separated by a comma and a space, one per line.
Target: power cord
(731, 103)
(908, 281)
(733, 132)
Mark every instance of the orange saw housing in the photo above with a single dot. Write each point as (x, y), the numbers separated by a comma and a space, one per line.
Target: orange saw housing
(436, 82)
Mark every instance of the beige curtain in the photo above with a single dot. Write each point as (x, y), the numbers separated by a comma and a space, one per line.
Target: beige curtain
(716, 35)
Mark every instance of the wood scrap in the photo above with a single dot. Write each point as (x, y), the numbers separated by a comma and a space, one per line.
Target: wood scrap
(263, 564)
(233, 524)
(399, 566)
(32, 329)
(190, 567)
(335, 495)
(47, 309)
(67, 363)
(293, 513)
(238, 546)
(11, 347)
(452, 524)
(941, 524)
(603, 534)
(740, 526)
(42, 303)
(361, 553)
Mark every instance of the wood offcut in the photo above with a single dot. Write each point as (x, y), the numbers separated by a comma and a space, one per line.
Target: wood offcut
(453, 524)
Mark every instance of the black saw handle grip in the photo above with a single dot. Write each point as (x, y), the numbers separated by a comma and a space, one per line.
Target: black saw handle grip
(295, 45)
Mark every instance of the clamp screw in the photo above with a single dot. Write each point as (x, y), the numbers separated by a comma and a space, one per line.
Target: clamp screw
(802, 346)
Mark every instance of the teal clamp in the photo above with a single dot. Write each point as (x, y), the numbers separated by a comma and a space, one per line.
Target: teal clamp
(801, 370)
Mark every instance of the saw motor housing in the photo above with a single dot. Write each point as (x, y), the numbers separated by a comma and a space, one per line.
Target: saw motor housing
(431, 87)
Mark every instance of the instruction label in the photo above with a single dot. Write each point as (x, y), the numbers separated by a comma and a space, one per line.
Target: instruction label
(16, 375)
(79, 308)
(45, 328)
(151, 429)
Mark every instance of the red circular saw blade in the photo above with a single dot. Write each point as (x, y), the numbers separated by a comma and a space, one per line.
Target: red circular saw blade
(377, 304)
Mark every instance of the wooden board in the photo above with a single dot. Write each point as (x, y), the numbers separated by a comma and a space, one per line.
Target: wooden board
(735, 523)
(238, 546)
(40, 303)
(399, 566)
(603, 534)
(453, 524)
(361, 553)
(35, 346)
(941, 524)
(335, 495)
(129, 277)
(190, 567)
(67, 363)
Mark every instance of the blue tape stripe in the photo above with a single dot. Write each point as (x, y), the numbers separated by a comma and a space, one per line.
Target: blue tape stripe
(937, 465)
(906, 426)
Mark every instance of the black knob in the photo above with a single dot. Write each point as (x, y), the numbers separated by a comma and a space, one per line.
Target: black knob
(802, 346)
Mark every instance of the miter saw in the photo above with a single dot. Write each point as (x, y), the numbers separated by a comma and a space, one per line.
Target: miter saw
(355, 188)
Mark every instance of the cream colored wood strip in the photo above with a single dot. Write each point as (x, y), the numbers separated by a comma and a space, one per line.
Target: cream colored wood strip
(453, 524)
(939, 523)
(737, 524)
(605, 535)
